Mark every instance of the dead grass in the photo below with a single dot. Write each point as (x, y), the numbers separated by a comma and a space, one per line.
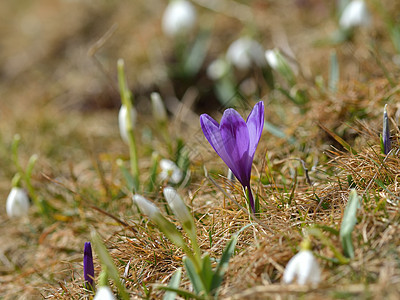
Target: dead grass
(64, 107)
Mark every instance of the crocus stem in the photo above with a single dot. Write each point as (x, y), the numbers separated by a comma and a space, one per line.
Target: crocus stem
(250, 198)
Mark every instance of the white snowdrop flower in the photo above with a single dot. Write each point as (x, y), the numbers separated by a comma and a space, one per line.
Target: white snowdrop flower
(178, 207)
(169, 170)
(146, 207)
(104, 293)
(159, 112)
(217, 69)
(304, 267)
(17, 203)
(355, 14)
(272, 59)
(179, 18)
(122, 121)
(245, 51)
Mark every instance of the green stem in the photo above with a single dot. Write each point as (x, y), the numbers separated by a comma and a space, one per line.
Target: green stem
(126, 99)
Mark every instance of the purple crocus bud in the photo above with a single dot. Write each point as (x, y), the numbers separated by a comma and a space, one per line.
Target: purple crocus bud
(386, 132)
(235, 141)
(88, 267)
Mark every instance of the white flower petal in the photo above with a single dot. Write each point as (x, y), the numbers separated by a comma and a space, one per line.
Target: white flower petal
(122, 121)
(179, 18)
(355, 14)
(104, 293)
(245, 51)
(17, 203)
(304, 267)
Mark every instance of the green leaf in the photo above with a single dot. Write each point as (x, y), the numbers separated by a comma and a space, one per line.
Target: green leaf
(198, 53)
(348, 223)
(107, 261)
(194, 277)
(173, 283)
(130, 182)
(184, 293)
(224, 262)
(207, 272)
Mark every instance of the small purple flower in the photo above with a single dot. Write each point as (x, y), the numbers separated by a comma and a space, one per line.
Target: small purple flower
(235, 141)
(88, 267)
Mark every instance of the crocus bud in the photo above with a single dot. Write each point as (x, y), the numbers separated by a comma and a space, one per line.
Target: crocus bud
(178, 207)
(17, 203)
(179, 18)
(170, 171)
(88, 267)
(245, 51)
(159, 112)
(386, 132)
(355, 14)
(122, 120)
(303, 266)
(217, 69)
(146, 207)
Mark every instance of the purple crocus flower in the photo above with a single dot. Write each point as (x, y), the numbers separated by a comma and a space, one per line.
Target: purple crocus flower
(235, 141)
(88, 267)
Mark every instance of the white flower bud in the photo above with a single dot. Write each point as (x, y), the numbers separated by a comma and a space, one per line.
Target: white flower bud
(17, 203)
(146, 207)
(272, 59)
(179, 18)
(245, 51)
(304, 267)
(159, 112)
(122, 121)
(104, 293)
(178, 206)
(217, 69)
(355, 14)
(169, 170)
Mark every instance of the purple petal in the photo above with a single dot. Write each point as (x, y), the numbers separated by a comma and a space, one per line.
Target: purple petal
(255, 124)
(235, 137)
(212, 133)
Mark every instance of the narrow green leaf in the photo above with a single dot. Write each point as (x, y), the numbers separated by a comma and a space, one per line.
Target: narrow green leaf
(194, 277)
(207, 272)
(184, 293)
(130, 182)
(223, 263)
(173, 283)
(198, 53)
(107, 261)
(348, 223)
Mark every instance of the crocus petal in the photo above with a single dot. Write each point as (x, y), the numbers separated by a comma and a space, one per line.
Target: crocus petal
(255, 124)
(235, 137)
(212, 133)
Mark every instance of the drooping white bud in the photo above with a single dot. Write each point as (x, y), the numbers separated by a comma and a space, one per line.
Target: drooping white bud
(304, 267)
(122, 121)
(355, 14)
(104, 293)
(17, 203)
(146, 207)
(170, 171)
(245, 51)
(178, 206)
(217, 69)
(272, 59)
(179, 18)
(159, 112)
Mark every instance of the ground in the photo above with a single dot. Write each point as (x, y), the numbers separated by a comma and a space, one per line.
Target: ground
(59, 92)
